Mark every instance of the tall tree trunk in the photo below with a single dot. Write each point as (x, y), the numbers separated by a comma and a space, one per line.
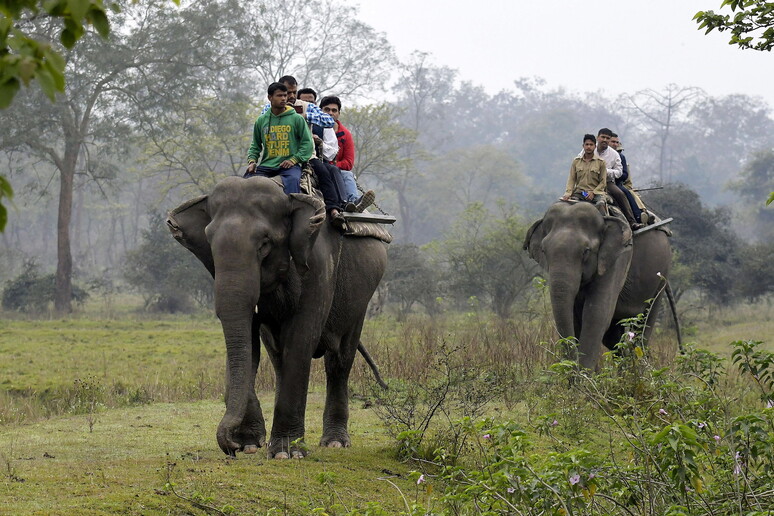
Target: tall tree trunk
(64, 266)
(405, 214)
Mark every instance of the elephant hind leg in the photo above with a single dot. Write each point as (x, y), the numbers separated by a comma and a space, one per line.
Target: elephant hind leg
(338, 365)
(613, 336)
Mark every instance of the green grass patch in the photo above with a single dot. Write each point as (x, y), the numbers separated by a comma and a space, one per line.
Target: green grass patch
(134, 460)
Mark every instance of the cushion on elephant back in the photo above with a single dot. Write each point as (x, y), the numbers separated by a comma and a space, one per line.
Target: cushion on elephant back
(368, 229)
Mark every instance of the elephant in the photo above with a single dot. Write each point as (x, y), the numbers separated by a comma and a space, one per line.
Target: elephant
(598, 273)
(285, 277)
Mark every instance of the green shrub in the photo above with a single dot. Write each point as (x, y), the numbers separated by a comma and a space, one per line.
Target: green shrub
(32, 293)
(168, 276)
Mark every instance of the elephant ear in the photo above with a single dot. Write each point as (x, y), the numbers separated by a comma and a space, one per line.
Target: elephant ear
(534, 243)
(306, 216)
(187, 223)
(616, 238)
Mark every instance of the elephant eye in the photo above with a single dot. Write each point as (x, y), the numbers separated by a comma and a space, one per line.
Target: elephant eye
(586, 252)
(264, 247)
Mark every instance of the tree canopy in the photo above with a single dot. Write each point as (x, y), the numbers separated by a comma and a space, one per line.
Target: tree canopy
(751, 25)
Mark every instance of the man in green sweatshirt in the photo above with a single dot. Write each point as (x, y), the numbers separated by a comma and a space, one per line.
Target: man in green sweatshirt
(281, 142)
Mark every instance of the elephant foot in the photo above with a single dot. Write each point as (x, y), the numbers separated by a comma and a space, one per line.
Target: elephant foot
(246, 437)
(335, 441)
(286, 448)
(294, 455)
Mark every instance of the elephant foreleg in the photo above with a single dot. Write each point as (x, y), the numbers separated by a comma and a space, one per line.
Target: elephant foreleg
(597, 317)
(252, 431)
(297, 344)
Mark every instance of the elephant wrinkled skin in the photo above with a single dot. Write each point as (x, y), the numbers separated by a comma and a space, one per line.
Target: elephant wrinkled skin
(282, 272)
(598, 273)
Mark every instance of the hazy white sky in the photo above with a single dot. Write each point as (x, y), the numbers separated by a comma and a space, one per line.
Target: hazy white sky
(617, 46)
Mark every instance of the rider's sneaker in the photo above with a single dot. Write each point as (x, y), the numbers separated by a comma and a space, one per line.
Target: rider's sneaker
(365, 201)
(645, 218)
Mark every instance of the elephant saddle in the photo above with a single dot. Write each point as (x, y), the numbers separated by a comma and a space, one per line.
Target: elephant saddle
(352, 228)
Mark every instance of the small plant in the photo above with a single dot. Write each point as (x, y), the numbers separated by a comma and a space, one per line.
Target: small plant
(758, 364)
(420, 414)
(87, 397)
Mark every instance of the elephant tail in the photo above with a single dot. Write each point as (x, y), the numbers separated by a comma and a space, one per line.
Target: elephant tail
(372, 364)
(673, 307)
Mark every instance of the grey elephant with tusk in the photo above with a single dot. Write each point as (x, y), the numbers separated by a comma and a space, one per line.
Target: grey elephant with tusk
(282, 273)
(598, 274)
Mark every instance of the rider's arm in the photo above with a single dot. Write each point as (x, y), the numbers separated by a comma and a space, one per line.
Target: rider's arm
(330, 145)
(346, 158)
(571, 180)
(305, 143)
(254, 153)
(615, 172)
(315, 115)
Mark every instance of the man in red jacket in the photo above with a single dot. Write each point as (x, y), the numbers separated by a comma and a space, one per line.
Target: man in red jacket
(345, 159)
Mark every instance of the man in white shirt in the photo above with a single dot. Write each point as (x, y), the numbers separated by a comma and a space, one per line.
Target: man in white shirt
(614, 171)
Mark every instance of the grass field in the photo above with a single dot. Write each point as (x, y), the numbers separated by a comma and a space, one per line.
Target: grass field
(123, 464)
(102, 416)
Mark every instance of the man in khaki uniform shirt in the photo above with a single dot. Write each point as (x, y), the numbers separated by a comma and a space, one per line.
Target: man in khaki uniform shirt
(588, 176)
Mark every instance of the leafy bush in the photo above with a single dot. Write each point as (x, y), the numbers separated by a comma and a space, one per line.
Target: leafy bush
(411, 278)
(691, 439)
(30, 292)
(706, 246)
(485, 258)
(168, 276)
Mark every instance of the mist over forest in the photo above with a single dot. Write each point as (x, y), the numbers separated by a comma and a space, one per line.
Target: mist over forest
(164, 108)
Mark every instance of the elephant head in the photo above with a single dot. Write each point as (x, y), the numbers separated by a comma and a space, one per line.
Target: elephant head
(586, 256)
(246, 233)
(249, 227)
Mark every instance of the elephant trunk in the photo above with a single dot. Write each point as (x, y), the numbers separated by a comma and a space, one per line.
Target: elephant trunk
(564, 289)
(235, 306)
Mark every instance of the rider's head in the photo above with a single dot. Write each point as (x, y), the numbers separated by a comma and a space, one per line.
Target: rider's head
(292, 85)
(332, 106)
(604, 135)
(278, 95)
(589, 142)
(615, 143)
(307, 94)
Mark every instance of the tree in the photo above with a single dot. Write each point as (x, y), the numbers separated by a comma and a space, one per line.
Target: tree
(380, 142)
(31, 292)
(476, 173)
(168, 280)
(703, 240)
(660, 112)
(25, 56)
(485, 258)
(752, 27)
(165, 54)
(205, 138)
(756, 271)
(411, 278)
(322, 44)
(739, 124)
(757, 177)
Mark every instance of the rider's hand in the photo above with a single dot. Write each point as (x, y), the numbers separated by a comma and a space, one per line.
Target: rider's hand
(590, 196)
(286, 164)
(317, 139)
(250, 168)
